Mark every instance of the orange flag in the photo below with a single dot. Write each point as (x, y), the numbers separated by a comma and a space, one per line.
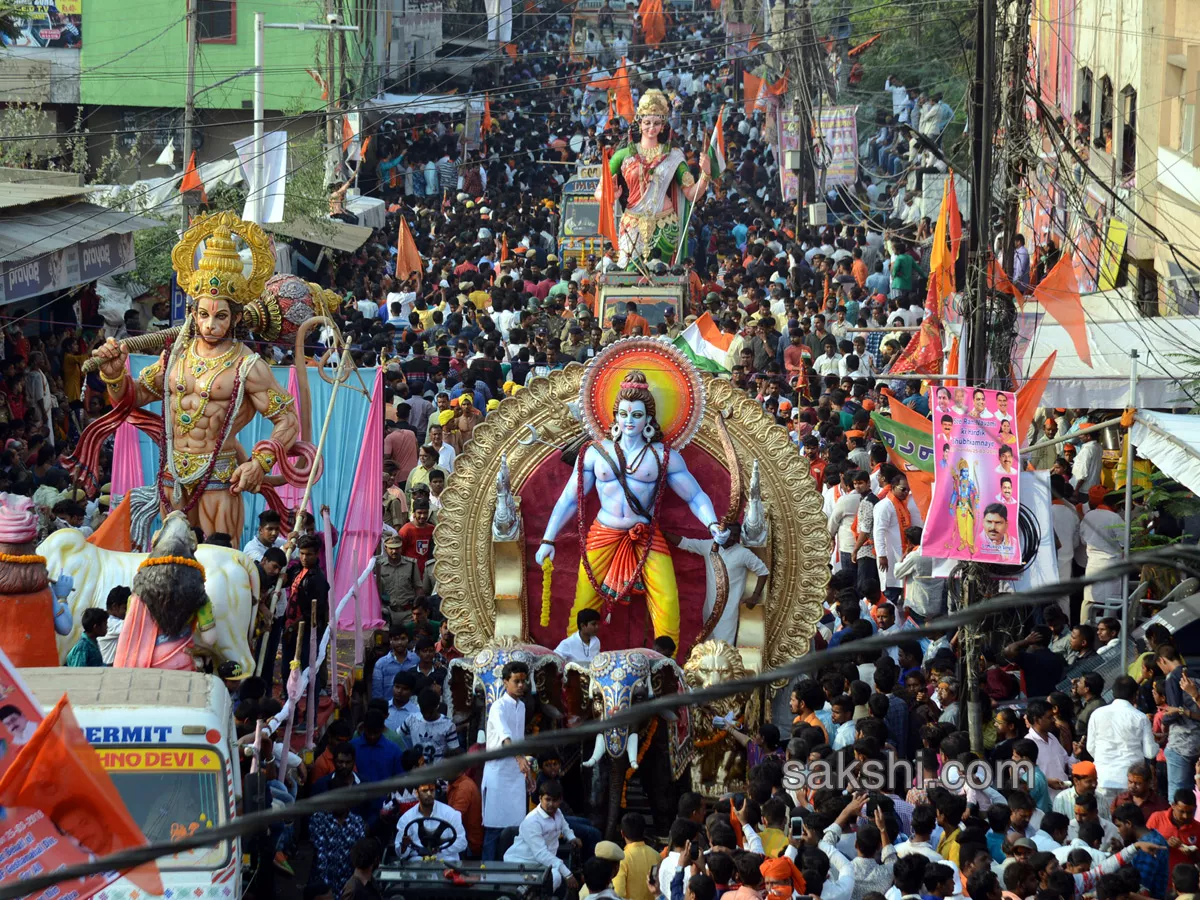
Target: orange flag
(952, 362)
(1058, 293)
(485, 124)
(191, 180)
(58, 772)
(408, 258)
(608, 196)
(1001, 282)
(504, 248)
(511, 50)
(1029, 397)
(941, 260)
(113, 533)
(751, 89)
(654, 22)
(624, 105)
(779, 88)
(906, 416)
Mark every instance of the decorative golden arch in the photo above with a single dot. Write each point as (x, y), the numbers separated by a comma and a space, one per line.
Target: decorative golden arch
(797, 550)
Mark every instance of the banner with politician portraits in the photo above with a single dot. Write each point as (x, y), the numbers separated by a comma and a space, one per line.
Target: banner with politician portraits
(976, 469)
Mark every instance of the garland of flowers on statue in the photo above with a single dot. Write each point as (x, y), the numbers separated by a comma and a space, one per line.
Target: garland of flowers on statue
(25, 559)
(643, 748)
(547, 575)
(627, 590)
(712, 741)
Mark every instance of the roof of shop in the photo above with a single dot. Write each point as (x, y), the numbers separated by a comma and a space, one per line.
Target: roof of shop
(24, 193)
(25, 234)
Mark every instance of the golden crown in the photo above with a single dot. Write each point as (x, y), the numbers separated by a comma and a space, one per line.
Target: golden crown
(654, 103)
(220, 271)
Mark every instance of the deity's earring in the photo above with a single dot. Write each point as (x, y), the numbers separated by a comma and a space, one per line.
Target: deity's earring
(615, 430)
(648, 432)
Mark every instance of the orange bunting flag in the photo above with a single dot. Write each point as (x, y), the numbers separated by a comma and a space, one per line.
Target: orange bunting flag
(624, 96)
(485, 125)
(941, 260)
(1029, 397)
(607, 225)
(191, 180)
(58, 772)
(1000, 281)
(1058, 293)
(779, 88)
(408, 258)
(752, 87)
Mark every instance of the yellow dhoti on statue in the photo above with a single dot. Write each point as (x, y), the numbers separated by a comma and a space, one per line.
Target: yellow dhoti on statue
(965, 516)
(613, 555)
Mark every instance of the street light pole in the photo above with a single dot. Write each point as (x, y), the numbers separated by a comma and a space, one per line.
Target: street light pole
(257, 200)
(189, 107)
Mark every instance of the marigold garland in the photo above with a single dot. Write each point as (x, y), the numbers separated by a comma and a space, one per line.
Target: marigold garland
(715, 739)
(27, 559)
(547, 572)
(642, 750)
(171, 561)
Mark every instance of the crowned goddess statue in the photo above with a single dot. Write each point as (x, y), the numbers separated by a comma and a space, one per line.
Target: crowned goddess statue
(656, 184)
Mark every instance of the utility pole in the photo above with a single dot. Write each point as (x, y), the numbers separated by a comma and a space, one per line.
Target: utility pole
(331, 18)
(257, 190)
(189, 108)
(974, 577)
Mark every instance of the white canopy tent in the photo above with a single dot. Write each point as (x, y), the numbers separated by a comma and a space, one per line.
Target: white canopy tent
(1165, 345)
(1172, 443)
(411, 104)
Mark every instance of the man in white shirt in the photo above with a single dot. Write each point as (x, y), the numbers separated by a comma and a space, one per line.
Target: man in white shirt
(437, 440)
(1100, 532)
(540, 831)
(504, 780)
(738, 560)
(117, 605)
(410, 839)
(583, 645)
(1118, 736)
(267, 536)
(1066, 530)
(893, 515)
(1054, 761)
(1086, 468)
(841, 520)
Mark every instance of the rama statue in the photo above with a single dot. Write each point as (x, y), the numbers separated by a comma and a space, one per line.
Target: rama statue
(210, 383)
(656, 183)
(624, 554)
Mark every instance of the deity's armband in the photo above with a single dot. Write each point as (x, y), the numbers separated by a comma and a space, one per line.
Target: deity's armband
(148, 378)
(205, 620)
(277, 402)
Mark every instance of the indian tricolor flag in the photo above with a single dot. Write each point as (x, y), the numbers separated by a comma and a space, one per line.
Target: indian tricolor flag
(704, 345)
(716, 146)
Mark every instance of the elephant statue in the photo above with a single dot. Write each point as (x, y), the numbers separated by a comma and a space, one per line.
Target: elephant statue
(659, 752)
(719, 766)
(474, 683)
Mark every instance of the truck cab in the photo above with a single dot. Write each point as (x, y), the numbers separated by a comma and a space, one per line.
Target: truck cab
(167, 740)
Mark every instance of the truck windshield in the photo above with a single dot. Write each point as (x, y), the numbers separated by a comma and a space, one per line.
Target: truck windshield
(172, 793)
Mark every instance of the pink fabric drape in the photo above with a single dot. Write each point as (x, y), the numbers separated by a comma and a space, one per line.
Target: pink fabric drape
(364, 521)
(127, 459)
(288, 493)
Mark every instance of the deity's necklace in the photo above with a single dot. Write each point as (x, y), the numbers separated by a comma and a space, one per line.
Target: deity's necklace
(630, 468)
(200, 367)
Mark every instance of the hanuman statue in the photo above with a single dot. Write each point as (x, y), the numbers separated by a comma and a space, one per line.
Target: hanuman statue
(210, 383)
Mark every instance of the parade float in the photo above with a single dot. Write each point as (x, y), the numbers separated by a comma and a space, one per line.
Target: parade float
(562, 501)
(221, 437)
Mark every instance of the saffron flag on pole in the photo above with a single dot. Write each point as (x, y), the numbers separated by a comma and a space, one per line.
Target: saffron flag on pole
(607, 225)
(752, 87)
(191, 180)
(1058, 293)
(485, 124)
(716, 146)
(408, 258)
(703, 343)
(624, 96)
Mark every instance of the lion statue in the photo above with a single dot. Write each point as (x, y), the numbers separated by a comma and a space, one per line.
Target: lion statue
(719, 766)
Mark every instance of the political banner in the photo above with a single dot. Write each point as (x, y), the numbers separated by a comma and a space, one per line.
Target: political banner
(790, 137)
(976, 471)
(838, 130)
(910, 444)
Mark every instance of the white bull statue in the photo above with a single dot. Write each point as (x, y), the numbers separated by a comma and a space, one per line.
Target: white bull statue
(231, 582)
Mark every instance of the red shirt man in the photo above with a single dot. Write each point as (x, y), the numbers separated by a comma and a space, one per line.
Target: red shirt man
(1179, 826)
(416, 537)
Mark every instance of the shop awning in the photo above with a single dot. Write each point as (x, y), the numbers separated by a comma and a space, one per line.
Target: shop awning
(1172, 443)
(36, 231)
(411, 104)
(48, 247)
(324, 233)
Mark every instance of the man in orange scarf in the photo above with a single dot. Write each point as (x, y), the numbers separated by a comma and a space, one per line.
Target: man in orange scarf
(893, 517)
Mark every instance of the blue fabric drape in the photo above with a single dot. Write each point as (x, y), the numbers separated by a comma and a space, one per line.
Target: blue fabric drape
(342, 446)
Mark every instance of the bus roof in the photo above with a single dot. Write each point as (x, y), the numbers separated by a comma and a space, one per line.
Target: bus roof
(96, 687)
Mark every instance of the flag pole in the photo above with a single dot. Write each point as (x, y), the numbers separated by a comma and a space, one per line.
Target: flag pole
(688, 218)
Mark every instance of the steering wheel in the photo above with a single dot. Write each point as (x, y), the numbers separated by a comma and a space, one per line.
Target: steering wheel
(432, 837)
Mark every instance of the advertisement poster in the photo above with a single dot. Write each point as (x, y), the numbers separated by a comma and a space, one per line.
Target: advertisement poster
(976, 477)
(47, 23)
(789, 139)
(839, 132)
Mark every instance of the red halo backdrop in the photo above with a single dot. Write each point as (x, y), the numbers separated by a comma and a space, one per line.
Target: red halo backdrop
(630, 625)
